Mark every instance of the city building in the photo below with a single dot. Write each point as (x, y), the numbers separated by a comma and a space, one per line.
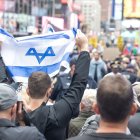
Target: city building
(92, 13)
(18, 15)
(106, 13)
(105, 4)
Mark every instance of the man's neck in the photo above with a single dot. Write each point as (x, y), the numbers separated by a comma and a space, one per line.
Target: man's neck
(5, 116)
(35, 103)
(107, 127)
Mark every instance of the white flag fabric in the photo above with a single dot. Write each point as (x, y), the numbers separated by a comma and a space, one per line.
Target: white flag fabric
(25, 55)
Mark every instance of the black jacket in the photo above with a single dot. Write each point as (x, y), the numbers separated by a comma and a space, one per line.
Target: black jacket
(51, 120)
(105, 136)
(134, 124)
(3, 73)
(8, 131)
(132, 77)
(62, 85)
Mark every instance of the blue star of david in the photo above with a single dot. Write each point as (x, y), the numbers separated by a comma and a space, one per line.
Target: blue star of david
(40, 56)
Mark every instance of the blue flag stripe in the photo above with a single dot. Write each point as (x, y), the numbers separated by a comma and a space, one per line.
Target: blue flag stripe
(5, 33)
(57, 36)
(26, 71)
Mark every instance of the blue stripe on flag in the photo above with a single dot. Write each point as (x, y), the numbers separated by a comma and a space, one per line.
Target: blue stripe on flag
(57, 36)
(74, 31)
(5, 33)
(27, 70)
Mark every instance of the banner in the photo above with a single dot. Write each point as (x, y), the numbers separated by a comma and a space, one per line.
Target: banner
(131, 9)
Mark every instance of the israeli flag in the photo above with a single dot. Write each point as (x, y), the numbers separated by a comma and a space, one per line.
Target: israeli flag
(46, 53)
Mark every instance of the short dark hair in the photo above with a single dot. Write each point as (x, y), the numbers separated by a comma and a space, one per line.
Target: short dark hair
(38, 84)
(114, 98)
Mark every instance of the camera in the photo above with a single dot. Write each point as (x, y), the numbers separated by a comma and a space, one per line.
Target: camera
(22, 115)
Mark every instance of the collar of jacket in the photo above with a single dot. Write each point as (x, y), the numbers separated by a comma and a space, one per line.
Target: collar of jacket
(6, 123)
(86, 114)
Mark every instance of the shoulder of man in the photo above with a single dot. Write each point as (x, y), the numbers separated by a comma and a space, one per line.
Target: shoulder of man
(95, 136)
(134, 138)
(30, 133)
(84, 137)
(39, 117)
(91, 125)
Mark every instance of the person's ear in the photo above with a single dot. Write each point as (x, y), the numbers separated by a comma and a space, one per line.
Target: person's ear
(82, 106)
(134, 109)
(95, 108)
(13, 112)
(49, 91)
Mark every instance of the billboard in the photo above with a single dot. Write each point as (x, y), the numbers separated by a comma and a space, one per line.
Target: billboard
(131, 9)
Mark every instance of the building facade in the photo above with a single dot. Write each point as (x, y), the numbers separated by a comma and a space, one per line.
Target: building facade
(18, 15)
(92, 13)
(105, 4)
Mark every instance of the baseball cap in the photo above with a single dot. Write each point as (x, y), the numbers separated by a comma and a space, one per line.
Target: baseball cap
(8, 96)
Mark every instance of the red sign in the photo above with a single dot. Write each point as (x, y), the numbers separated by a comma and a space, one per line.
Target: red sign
(2, 5)
(64, 1)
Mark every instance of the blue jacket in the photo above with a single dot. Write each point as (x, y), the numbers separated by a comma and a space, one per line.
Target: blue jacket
(101, 69)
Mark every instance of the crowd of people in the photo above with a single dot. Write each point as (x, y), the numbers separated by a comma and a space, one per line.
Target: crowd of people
(96, 100)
